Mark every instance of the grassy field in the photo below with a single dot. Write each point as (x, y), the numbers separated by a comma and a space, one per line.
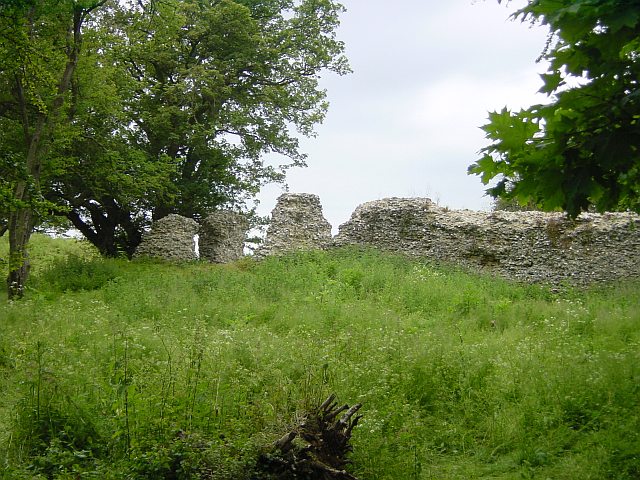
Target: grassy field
(141, 370)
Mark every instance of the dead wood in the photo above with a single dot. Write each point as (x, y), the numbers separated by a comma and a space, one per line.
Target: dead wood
(316, 449)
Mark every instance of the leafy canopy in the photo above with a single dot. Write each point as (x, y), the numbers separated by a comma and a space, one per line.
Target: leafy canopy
(171, 108)
(581, 149)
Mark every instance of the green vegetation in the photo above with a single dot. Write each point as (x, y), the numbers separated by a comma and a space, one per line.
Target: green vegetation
(115, 369)
(116, 112)
(581, 149)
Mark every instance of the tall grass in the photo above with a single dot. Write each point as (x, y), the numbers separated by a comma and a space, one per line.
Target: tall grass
(114, 369)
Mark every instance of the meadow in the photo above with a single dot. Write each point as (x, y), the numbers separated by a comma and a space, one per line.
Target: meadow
(114, 369)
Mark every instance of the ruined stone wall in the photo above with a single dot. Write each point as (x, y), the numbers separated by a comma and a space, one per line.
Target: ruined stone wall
(297, 223)
(170, 238)
(528, 246)
(222, 236)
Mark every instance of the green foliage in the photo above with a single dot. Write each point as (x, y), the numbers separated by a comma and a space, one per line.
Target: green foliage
(180, 371)
(40, 45)
(175, 104)
(50, 426)
(114, 113)
(75, 273)
(580, 150)
(50, 253)
(190, 456)
(511, 205)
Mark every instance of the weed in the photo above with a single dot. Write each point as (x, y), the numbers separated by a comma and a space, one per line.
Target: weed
(75, 273)
(50, 427)
(151, 370)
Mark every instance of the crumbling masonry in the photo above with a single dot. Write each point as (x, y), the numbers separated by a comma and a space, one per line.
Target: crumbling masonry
(525, 246)
(170, 238)
(222, 236)
(297, 223)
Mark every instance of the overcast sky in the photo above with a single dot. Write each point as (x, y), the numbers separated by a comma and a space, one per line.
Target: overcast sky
(406, 122)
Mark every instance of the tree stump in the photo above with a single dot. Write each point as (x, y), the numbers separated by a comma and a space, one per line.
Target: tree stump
(316, 449)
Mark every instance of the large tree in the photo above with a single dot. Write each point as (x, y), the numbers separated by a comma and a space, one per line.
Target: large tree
(40, 44)
(116, 112)
(580, 150)
(206, 88)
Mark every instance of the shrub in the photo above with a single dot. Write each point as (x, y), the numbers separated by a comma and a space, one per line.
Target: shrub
(75, 273)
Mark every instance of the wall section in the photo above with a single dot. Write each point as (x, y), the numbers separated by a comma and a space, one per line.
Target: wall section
(527, 246)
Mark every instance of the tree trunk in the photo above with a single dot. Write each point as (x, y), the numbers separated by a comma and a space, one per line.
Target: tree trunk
(20, 228)
(21, 221)
(109, 228)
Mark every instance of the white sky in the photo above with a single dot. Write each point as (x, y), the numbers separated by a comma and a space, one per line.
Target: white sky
(407, 122)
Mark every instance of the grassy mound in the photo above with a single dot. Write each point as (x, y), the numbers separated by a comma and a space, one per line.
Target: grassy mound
(114, 369)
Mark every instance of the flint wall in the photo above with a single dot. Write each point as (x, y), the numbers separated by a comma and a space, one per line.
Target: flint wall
(528, 246)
